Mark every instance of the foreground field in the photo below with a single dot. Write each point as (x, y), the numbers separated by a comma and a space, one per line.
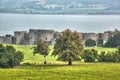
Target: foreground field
(32, 68)
(81, 71)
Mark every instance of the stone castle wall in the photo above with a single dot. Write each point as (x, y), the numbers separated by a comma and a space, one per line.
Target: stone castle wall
(20, 37)
(34, 35)
(7, 39)
(86, 36)
(1, 39)
(37, 34)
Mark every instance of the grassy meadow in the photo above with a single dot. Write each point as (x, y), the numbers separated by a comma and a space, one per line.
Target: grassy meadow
(29, 58)
(32, 68)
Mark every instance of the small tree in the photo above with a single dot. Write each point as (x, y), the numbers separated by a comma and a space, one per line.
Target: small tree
(68, 46)
(90, 43)
(42, 48)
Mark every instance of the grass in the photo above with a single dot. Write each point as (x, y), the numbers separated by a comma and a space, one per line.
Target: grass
(57, 70)
(82, 71)
(30, 58)
(99, 49)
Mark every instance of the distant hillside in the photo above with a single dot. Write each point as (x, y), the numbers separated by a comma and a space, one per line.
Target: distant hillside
(60, 6)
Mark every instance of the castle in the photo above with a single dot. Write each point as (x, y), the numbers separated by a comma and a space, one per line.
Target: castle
(31, 37)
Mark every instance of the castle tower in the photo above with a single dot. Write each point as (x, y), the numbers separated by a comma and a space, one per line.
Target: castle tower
(37, 34)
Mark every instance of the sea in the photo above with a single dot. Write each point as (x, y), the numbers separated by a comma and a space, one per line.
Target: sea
(81, 23)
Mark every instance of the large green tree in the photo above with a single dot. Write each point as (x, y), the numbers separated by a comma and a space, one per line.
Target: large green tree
(68, 46)
(90, 43)
(42, 48)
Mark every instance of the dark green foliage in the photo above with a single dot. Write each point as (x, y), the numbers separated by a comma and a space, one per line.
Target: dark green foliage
(42, 48)
(118, 50)
(68, 46)
(113, 41)
(100, 43)
(102, 57)
(89, 55)
(109, 57)
(9, 57)
(100, 40)
(90, 43)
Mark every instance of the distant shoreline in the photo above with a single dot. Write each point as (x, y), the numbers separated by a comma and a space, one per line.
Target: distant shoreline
(61, 13)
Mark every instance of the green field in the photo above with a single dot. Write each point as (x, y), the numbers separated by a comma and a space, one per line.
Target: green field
(29, 58)
(34, 69)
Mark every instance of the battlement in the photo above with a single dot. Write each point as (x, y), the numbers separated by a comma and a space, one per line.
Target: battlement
(31, 37)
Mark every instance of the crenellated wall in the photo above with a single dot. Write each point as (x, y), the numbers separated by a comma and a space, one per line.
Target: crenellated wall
(21, 37)
(37, 34)
(86, 36)
(31, 37)
(7, 39)
(1, 39)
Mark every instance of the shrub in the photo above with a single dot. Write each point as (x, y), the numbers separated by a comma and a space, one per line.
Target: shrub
(118, 50)
(89, 55)
(101, 56)
(109, 57)
(9, 57)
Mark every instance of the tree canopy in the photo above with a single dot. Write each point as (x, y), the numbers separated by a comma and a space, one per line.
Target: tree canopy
(68, 46)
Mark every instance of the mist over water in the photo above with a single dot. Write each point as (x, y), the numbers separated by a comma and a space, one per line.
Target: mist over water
(81, 23)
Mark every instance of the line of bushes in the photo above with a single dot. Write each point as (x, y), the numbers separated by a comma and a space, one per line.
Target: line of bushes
(91, 55)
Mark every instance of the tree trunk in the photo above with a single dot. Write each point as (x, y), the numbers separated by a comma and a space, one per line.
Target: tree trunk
(69, 62)
(45, 62)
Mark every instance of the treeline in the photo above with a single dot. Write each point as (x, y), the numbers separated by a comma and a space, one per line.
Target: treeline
(91, 55)
(113, 41)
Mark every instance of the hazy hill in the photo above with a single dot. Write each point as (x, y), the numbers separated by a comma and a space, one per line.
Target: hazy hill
(61, 6)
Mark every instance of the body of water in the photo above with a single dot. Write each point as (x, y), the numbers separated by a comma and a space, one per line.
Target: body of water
(82, 23)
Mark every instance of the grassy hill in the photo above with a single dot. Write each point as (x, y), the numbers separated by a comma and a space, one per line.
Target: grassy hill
(60, 6)
(57, 70)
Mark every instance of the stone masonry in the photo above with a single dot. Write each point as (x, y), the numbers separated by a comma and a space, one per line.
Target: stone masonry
(34, 35)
